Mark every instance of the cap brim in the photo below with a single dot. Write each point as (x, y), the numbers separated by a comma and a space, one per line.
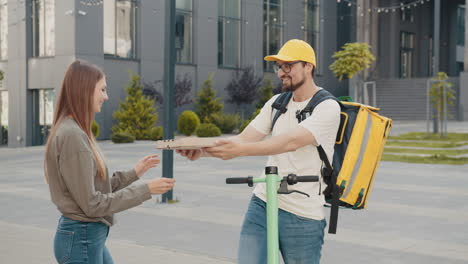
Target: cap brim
(279, 58)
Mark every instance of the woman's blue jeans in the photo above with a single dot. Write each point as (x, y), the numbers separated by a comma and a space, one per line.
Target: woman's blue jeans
(81, 242)
(300, 239)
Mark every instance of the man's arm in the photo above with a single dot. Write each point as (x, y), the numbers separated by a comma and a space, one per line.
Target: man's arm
(250, 134)
(229, 148)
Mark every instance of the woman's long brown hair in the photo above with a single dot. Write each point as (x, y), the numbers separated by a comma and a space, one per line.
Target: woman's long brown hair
(75, 100)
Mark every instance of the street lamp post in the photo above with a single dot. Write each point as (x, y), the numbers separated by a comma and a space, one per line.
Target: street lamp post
(169, 105)
(436, 51)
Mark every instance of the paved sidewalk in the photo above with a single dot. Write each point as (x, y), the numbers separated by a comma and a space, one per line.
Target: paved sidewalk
(417, 213)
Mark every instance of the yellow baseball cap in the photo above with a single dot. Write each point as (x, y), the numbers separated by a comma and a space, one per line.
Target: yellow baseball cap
(294, 50)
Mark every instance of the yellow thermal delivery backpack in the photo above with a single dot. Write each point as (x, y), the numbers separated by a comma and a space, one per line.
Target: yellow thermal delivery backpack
(358, 149)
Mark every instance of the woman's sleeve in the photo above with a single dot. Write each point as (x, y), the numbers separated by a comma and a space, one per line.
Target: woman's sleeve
(79, 172)
(121, 179)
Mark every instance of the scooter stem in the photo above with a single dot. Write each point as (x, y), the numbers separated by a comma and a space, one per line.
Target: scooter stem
(272, 180)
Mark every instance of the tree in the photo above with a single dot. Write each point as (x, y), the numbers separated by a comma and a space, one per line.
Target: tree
(265, 93)
(137, 114)
(243, 88)
(436, 94)
(351, 59)
(278, 88)
(150, 90)
(182, 87)
(206, 102)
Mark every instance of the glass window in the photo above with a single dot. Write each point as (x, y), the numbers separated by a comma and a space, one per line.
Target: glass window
(430, 58)
(229, 25)
(3, 117)
(184, 5)
(272, 30)
(311, 25)
(183, 31)
(42, 114)
(46, 107)
(406, 54)
(461, 25)
(406, 12)
(120, 28)
(43, 27)
(3, 29)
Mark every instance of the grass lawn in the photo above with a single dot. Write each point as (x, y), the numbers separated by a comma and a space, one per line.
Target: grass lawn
(420, 139)
(434, 159)
(427, 151)
(426, 144)
(434, 137)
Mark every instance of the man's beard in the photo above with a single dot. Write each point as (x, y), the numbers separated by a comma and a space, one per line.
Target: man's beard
(292, 87)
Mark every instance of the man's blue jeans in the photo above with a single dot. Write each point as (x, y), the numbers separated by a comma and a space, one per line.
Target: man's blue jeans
(81, 242)
(300, 239)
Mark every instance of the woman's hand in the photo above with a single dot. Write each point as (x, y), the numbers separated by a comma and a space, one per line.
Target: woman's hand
(191, 154)
(160, 185)
(145, 164)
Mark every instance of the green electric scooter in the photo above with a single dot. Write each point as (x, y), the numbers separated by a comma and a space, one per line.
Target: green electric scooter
(272, 179)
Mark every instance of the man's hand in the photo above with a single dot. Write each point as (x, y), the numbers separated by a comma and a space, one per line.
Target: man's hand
(191, 154)
(145, 164)
(225, 149)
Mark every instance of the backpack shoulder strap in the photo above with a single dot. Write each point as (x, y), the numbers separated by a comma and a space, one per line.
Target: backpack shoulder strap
(328, 171)
(319, 97)
(280, 106)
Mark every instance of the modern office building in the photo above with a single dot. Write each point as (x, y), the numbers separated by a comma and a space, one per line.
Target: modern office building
(39, 38)
(413, 40)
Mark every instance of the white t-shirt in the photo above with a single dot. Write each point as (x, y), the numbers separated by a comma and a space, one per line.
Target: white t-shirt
(323, 124)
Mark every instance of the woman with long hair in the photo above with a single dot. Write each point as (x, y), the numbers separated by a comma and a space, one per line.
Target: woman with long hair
(79, 183)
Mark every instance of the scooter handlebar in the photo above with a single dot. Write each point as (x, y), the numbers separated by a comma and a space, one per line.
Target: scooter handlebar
(307, 178)
(238, 180)
(292, 179)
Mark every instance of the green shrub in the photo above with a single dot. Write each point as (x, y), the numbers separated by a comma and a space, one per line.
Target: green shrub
(208, 130)
(95, 129)
(188, 123)
(207, 103)
(265, 93)
(156, 133)
(226, 122)
(247, 122)
(137, 113)
(244, 125)
(122, 137)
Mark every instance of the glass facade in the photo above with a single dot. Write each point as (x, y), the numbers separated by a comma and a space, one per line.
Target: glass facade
(43, 28)
(3, 117)
(120, 28)
(406, 54)
(229, 27)
(43, 114)
(461, 25)
(3, 29)
(183, 31)
(311, 25)
(273, 29)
